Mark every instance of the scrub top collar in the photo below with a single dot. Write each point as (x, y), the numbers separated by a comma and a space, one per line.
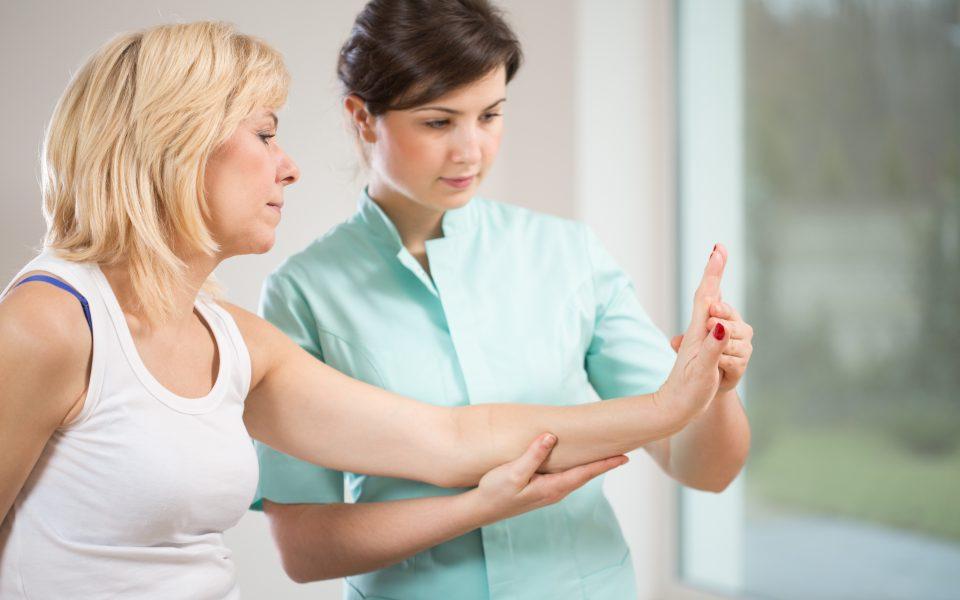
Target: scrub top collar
(455, 222)
(440, 250)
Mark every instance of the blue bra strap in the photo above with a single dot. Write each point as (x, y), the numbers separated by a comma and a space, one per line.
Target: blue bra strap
(66, 287)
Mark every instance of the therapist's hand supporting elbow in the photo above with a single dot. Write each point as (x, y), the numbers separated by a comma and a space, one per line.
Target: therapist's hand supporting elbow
(324, 541)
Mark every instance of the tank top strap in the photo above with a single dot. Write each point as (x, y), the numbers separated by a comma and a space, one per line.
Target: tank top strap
(65, 287)
(218, 316)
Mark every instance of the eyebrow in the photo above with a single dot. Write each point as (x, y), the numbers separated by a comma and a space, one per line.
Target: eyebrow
(454, 112)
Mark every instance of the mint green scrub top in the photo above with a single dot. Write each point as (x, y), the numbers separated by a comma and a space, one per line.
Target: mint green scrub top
(521, 307)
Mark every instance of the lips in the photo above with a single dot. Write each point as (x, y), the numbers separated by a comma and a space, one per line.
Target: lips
(458, 182)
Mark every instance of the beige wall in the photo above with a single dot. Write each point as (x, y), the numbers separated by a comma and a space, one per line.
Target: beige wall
(586, 139)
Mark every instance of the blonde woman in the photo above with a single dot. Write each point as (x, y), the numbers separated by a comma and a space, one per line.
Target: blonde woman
(129, 391)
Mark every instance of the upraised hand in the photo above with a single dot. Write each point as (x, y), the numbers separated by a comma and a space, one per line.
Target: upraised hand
(696, 376)
(736, 356)
(516, 487)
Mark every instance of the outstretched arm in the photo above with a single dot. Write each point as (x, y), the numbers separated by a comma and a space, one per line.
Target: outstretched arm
(306, 409)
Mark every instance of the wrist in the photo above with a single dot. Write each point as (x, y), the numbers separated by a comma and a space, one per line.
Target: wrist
(676, 411)
(477, 510)
(723, 394)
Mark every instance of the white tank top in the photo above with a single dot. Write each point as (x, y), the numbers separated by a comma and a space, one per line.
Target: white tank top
(131, 498)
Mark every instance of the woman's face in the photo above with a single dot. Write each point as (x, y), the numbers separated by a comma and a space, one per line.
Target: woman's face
(244, 184)
(437, 154)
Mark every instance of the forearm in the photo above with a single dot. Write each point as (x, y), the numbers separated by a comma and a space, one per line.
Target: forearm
(324, 541)
(304, 408)
(710, 452)
(311, 411)
(490, 434)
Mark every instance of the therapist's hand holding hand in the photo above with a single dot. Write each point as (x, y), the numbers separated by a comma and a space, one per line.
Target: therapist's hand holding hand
(696, 376)
(733, 363)
(516, 487)
(736, 356)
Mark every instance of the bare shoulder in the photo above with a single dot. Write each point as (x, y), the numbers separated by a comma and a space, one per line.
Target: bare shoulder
(255, 330)
(265, 343)
(242, 316)
(44, 321)
(45, 348)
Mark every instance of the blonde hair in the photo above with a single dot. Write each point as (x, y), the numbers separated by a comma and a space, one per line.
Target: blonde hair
(125, 153)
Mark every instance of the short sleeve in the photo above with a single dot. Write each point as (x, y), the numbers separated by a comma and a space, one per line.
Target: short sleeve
(628, 354)
(283, 478)
(288, 480)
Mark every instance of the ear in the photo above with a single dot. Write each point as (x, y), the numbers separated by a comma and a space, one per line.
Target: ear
(360, 118)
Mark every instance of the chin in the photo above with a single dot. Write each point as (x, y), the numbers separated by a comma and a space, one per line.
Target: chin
(456, 200)
(260, 244)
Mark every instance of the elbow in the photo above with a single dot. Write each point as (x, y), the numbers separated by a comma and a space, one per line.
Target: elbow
(718, 486)
(736, 464)
(294, 568)
(719, 482)
(296, 575)
(300, 571)
(453, 475)
(714, 484)
(298, 562)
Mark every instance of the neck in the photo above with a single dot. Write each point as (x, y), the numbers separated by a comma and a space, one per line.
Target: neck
(415, 222)
(197, 269)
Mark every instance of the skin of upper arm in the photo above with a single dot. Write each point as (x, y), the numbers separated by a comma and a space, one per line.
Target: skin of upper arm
(302, 407)
(45, 353)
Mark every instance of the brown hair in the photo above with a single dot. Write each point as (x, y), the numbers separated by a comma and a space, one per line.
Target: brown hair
(404, 53)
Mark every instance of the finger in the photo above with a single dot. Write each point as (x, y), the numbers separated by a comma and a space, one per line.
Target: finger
(733, 367)
(734, 315)
(738, 330)
(738, 348)
(709, 290)
(675, 342)
(723, 252)
(733, 328)
(573, 478)
(525, 466)
(722, 310)
(713, 347)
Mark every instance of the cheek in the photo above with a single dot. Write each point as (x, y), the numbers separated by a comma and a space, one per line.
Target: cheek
(491, 146)
(411, 155)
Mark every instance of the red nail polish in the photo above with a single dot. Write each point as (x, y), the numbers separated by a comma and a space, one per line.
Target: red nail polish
(718, 331)
(714, 248)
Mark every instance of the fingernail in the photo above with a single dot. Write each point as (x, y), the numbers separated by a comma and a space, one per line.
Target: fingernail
(549, 440)
(718, 331)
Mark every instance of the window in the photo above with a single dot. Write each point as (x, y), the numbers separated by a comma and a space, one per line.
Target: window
(820, 140)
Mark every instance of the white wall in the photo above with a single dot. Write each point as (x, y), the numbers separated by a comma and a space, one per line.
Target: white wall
(589, 124)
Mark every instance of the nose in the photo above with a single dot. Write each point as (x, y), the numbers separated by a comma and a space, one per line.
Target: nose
(466, 146)
(287, 170)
